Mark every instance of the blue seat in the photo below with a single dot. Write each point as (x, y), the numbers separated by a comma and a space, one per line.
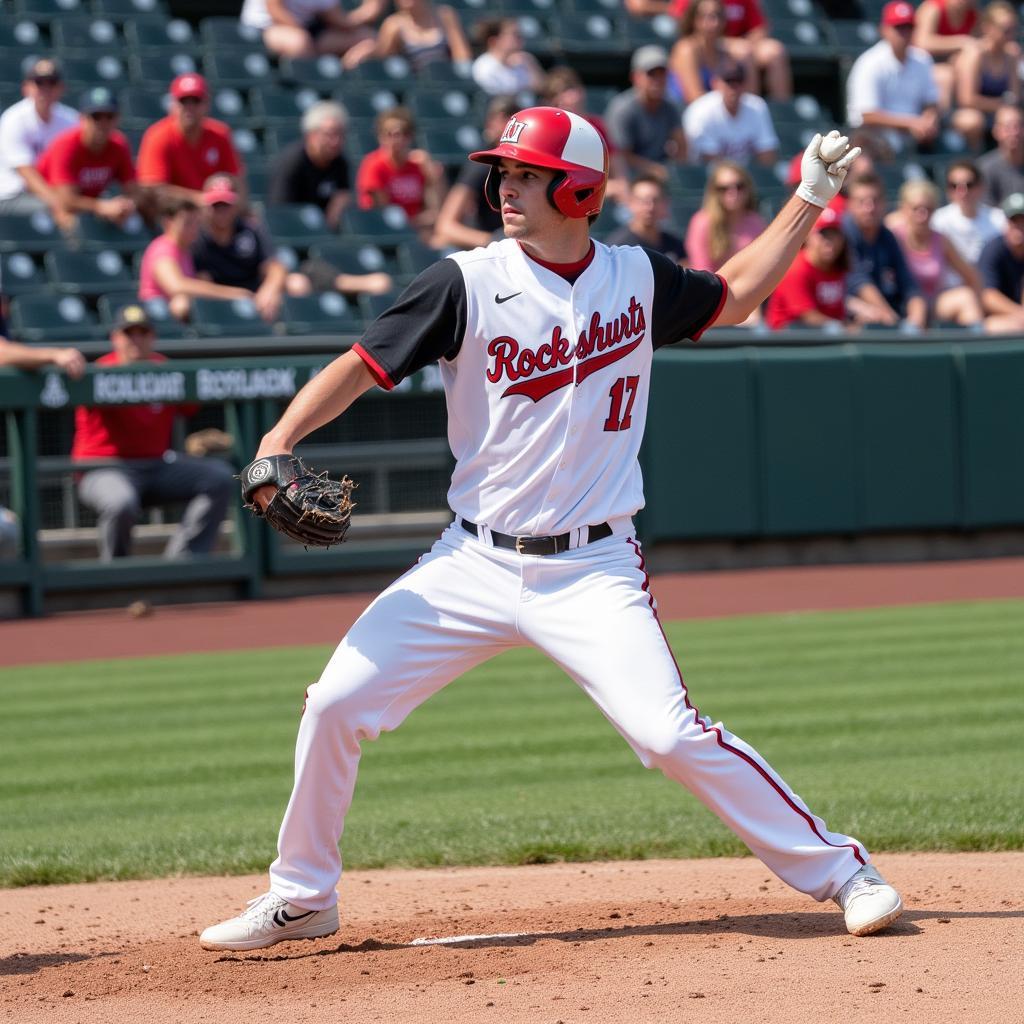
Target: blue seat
(443, 104)
(320, 73)
(355, 258)
(46, 318)
(83, 72)
(590, 34)
(220, 33)
(123, 10)
(48, 10)
(87, 273)
(97, 235)
(239, 68)
(20, 274)
(85, 35)
(237, 318)
(21, 36)
(449, 143)
(29, 232)
(415, 257)
(300, 225)
(326, 313)
(156, 70)
(393, 72)
(158, 33)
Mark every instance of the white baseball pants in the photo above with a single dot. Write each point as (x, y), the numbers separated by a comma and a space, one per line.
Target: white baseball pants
(591, 611)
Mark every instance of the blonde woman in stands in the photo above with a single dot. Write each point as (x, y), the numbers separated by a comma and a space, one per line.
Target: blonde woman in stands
(419, 31)
(310, 28)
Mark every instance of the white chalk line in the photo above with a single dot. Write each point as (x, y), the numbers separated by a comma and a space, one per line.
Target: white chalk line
(453, 939)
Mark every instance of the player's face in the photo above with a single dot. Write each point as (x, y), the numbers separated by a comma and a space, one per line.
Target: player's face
(525, 209)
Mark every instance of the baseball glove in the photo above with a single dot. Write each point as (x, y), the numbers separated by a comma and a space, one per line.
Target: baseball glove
(308, 507)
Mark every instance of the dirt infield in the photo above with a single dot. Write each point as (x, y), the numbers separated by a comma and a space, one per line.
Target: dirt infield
(711, 941)
(322, 620)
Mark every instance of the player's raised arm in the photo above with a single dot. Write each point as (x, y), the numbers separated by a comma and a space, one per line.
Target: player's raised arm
(755, 271)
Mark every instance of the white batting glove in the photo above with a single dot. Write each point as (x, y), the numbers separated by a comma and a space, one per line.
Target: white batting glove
(824, 166)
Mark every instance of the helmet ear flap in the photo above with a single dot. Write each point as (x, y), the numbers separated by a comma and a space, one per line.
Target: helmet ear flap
(492, 183)
(557, 180)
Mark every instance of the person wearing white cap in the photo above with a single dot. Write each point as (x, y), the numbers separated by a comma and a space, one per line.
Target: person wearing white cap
(891, 89)
(643, 124)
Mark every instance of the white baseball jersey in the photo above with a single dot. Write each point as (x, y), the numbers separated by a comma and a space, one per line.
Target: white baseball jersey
(547, 382)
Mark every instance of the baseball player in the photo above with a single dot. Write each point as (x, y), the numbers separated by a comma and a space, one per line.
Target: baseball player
(545, 342)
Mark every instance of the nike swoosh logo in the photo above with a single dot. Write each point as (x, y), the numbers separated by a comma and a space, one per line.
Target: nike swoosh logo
(281, 919)
(499, 299)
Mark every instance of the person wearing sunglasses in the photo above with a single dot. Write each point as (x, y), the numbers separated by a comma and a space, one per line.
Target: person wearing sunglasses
(82, 163)
(728, 220)
(179, 152)
(26, 129)
(965, 220)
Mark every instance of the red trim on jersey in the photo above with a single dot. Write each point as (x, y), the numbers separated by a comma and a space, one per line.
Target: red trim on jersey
(718, 310)
(568, 271)
(761, 769)
(380, 375)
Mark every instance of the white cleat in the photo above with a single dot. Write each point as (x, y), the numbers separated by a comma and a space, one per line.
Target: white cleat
(868, 902)
(269, 919)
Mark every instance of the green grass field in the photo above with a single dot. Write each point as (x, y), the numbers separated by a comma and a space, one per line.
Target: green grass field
(902, 726)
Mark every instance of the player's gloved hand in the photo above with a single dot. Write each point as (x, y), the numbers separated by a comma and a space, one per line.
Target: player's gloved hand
(824, 166)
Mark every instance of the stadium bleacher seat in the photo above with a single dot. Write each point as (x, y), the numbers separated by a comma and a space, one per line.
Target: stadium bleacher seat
(166, 326)
(257, 179)
(415, 257)
(156, 71)
(141, 107)
(365, 105)
(326, 313)
(87, 273)
(280, 135)
(158, 34)
(238, 318)
(590, 35)
(82, 72)
(298, 225)
(388, 227)
(21, 274)
(96, 235)
(393, 72)
(806, 38)
(372, 306)
(659, 31)
(238, 68)
(122, 10)
(83, 35)
(450, 144)
(853, 37)
(443, 74)
(320, 73)
(46, 318)
(21, 38)
(443, 105)
(45, 10)
(29, 232)
(275, 105)
(232, 106)
(220, 33)
(352, 258)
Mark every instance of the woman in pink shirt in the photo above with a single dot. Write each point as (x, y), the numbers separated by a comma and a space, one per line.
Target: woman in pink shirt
(167, 271)
(727, 221)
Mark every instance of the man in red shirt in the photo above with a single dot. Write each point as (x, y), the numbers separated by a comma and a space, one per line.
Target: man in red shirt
(145, 470)
(83, 162)
(396, 174)
(813, 291)
(179, 152)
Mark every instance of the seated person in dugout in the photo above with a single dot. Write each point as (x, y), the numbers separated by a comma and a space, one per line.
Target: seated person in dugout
(139, 467)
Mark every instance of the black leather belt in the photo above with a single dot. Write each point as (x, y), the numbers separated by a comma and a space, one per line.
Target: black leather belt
(536, 545)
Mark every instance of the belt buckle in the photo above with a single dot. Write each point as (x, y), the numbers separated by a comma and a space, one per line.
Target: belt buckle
(519, 546)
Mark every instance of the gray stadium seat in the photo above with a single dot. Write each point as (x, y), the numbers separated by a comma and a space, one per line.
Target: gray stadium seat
(35, 232)
(218, 33)
(45, 10)
(20, 274)
(238, 318)
(352, 258)
(85, 35)
(88, 273)
(21, 36)
(157, 70)
(327, 313)
(157, 33)
(298, 225)
(166, 326)
(122, 10)
(320, 73)
(388, 227)
(239, 68)
(95, 234)
(42, 318)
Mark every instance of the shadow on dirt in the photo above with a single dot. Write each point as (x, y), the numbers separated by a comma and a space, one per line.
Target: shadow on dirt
(29, 963)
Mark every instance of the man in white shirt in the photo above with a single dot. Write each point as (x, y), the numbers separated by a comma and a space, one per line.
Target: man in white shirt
(728, 123)
(26, 129)
(891, 90)
(966, 221)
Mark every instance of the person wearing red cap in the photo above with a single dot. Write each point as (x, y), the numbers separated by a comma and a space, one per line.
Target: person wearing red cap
(179, 152)
(812, 293)
(891, 89)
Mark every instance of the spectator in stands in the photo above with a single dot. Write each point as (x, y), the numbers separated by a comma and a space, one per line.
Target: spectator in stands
(420, 32)
(812, 293)
(933, 259)
(235, 251)
(700, 51)
(311, 28)
(81, 163)
(148, 471)
(986, 73)
(728, 221)
(168, 271)
(728, 123)
(946, 29)
(564, 88)
(26, 129)
(504, 68)
(1002, 169)
(649, 212)
(466, 219)
(1002, 272)
(745, 38)
(891, 90)
(880, 288)
(396, 174)
(644, 126)
(179, 152)
(965, 220)
(314, 169)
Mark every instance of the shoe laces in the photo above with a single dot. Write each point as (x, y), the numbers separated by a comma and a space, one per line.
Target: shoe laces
(863, 881)
(259, 910)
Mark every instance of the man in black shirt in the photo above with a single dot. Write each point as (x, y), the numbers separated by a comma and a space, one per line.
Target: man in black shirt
(1001, 266)
(314, 169)
(649, 208)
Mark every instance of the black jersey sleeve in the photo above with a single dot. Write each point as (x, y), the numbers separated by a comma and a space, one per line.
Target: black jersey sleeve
(427, 322)
(686, 302)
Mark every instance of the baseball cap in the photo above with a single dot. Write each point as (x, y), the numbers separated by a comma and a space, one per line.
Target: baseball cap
(98, 99)
(133, 315)
(647, 58)
(898, 12)
(828, 218)
(1013, 205)
(190, 84)
(219, 189)
(44, 67)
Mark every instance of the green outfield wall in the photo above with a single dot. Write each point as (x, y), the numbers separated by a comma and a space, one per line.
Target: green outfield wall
(743, 442)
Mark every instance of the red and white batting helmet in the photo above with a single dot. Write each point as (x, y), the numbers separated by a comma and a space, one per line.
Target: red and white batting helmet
(559, 140)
